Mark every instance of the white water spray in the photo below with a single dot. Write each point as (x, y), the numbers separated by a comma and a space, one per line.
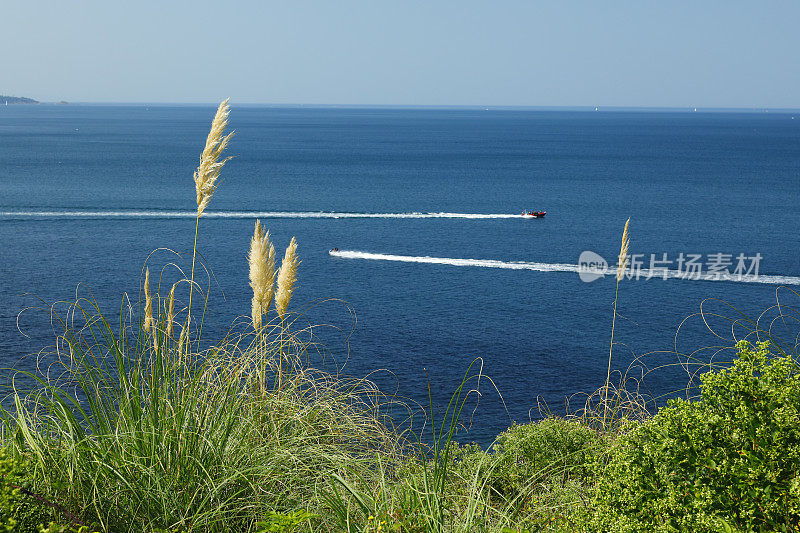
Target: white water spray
(155, 213)
(565, 267)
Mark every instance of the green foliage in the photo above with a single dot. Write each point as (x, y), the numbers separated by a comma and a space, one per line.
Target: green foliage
(534, 480)
(18, 510)
(728, 462)
(552, 449)
(538, 472)
(13, 472)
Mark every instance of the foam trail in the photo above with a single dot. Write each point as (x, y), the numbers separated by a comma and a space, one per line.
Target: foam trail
(155, 213)
(564, 267)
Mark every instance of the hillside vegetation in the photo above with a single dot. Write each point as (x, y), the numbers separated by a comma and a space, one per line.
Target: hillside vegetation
(16, 100)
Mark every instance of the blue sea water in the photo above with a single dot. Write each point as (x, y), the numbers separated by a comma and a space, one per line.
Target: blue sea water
(87, 192)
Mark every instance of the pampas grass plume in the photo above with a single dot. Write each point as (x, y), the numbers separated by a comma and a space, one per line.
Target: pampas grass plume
(205, 177)
(182, 339)
(621, 266)
(256, 312)
(170, 311)
(262, 272)
(623, 252)
(287, 276)
(269, 292)
(149, 323)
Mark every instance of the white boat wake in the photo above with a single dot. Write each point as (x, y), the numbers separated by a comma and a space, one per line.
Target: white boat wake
(565, 267)
(156, 213)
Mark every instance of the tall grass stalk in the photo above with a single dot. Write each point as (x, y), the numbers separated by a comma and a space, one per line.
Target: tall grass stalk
(170, 312)
(622, 265)
(205, 180)
(287, 277)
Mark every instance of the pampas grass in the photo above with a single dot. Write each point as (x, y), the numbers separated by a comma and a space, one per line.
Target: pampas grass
(197, 445)
(622, 263)
(205, 179)
(262, 273)
(182, 340)
(207, 173)
(170, 312)
(621, 266)
(149, 323)
(287, 277)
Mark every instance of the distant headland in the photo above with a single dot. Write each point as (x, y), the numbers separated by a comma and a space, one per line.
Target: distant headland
(16, 100)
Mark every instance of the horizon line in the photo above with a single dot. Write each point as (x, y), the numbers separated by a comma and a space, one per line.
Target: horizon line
(488, 107)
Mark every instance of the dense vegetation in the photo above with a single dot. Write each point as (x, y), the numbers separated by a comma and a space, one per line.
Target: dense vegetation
(145, 428)
(727, 462)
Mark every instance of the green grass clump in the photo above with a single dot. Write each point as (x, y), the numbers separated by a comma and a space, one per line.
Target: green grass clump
(210, 443)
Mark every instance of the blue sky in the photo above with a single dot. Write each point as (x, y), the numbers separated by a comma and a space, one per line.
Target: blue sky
(540, 53)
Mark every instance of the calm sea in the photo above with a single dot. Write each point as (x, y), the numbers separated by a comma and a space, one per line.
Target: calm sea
(87, 192)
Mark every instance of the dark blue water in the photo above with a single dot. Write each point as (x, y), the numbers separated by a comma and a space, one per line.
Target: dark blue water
(691, 182)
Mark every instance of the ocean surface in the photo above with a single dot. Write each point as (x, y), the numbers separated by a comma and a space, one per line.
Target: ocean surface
(436, 266)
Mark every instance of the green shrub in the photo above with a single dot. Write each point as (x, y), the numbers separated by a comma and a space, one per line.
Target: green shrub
(12, 473)
(730, 461)
(552, 449)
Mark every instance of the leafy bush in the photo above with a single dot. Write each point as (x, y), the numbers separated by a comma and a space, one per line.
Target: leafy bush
(12, 473)
(730, 461)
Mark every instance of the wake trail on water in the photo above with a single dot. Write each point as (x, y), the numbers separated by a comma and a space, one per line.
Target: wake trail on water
(155, 213)
(565, 267)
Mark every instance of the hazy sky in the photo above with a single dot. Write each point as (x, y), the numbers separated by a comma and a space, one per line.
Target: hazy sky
(563, 52)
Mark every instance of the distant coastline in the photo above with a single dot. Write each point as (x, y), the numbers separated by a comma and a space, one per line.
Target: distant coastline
(16, 100)
(429, 107)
